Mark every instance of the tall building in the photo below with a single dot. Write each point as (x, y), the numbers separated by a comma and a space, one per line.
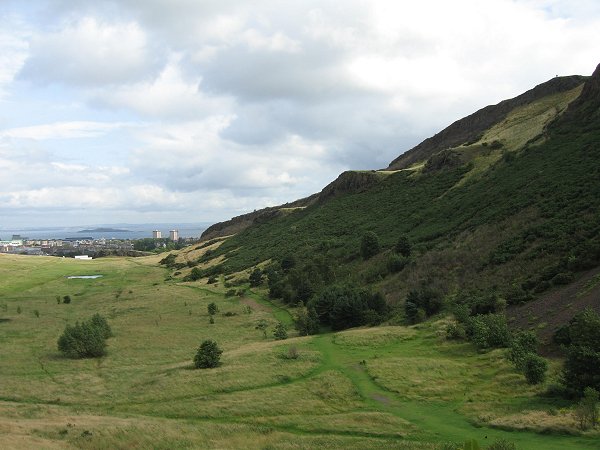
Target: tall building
(174, 235)
(156, 234)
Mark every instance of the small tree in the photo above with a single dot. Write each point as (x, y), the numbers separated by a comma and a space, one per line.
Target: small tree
(280, 331)
(534, 368)
(255, 277)
(82, 341)
(587, 409)
(523, 343)
(307, 322)
(67, 299)
(369, 245)
(212, 309)
(403, 246)
(208, 355)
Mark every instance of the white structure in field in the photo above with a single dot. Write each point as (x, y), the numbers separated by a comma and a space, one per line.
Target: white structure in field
(174, 235)
(83, 257)
(156, 234)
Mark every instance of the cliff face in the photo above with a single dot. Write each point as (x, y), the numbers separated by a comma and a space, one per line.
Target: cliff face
(471, 127)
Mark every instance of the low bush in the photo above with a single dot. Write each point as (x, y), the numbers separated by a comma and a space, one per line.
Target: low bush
(208, 355)
(86, 339)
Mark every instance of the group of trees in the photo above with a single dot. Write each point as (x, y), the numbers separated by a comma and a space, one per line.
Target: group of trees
(344, 306)
(86, 339)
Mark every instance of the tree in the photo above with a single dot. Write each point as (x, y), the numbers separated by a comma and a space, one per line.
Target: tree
(280, 331)
(288, 262)
(208, 355)
(582, 365)
(523, 343)
(212, 309)
(369, 245)
(307, 322)
(403, 246)
(534, 368)
(255, 277)
(83, 340)
(587, 409)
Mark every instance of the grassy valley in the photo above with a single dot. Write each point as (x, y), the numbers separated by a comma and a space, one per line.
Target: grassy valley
(502, 222)
(385, 387)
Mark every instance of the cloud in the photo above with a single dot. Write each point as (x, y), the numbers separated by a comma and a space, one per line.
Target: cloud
(62, 130)
(205, 109)
(90, 52)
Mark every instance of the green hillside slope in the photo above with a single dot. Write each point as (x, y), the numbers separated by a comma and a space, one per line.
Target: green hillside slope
(529, 220)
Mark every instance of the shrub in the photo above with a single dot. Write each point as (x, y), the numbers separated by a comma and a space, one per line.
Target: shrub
(587, 409)
(534, 368)
(83, 340)
(489, 331)
(369, 245)
(208, 355)
(523, 343)
(307, 322)
(67, 299)
(255, 278)
(403, 246)
(343, 306)
(396, 263)
(582, 369)
(421, 304)
(212, 280)
(455, 331)
(212, 309)
(280, 331)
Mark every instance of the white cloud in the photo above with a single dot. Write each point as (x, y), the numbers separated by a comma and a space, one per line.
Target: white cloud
(90, 51)
(62, 130)
(205, 109)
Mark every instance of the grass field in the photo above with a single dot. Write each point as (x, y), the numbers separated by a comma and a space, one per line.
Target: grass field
(385, 387)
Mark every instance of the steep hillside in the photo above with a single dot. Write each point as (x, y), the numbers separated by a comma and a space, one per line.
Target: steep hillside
(515, 212)
(471, 128)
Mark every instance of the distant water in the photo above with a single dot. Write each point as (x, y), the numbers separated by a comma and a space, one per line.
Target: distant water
(134, 231)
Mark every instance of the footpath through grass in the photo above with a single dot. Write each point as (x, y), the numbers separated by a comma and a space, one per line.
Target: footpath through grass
(408, 393)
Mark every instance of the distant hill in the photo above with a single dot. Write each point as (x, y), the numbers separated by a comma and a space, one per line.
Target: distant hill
(505, 201)
(104, 230)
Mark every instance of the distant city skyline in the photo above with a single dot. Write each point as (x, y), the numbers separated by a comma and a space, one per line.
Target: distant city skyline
(193, 111)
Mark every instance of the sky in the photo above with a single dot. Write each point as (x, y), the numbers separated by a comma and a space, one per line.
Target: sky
(173, 111)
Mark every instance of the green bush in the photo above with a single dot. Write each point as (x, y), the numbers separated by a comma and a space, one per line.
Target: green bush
(212, 309)
(523, 343)
(455, 331)
(369, 245)
(86, 339)
(421, 304)
(307, 322)
(208, 355)
(255, 277)
(587, 409)
(534, 368)
(280, 331)
(489, 331)
(403, 246)
(396, 263)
